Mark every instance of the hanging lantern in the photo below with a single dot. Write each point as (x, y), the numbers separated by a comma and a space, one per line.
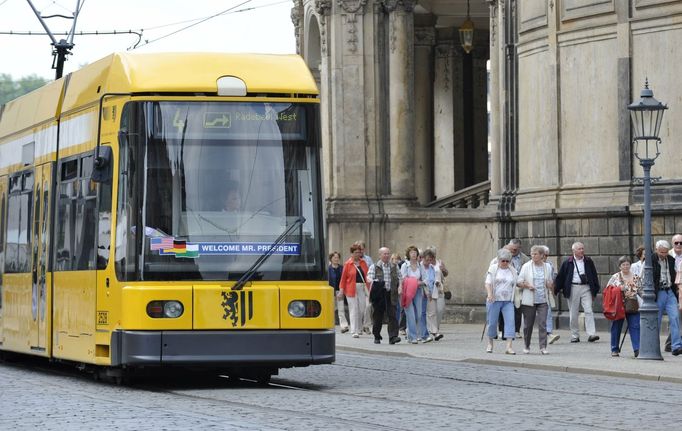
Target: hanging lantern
(466, 33)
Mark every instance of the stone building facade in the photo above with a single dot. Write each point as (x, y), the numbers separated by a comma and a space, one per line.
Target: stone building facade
(527, 136)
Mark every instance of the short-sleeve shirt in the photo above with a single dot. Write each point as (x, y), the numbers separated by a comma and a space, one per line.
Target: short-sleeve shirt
(503, 285)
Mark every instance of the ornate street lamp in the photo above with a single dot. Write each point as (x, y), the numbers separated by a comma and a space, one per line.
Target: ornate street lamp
(647, 114)
(466, 33)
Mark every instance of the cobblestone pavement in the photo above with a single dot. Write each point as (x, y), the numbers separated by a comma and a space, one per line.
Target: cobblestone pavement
(360, 392)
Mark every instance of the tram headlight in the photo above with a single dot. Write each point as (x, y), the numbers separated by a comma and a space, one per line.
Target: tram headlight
(305, 308)
(165, 309)
(297, 309)
(173, 309)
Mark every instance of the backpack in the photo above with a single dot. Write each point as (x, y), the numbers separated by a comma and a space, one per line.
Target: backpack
(612, 302)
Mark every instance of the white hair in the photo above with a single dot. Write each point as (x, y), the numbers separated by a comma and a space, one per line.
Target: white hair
(661, 243)
(503, 254)
(574, 247)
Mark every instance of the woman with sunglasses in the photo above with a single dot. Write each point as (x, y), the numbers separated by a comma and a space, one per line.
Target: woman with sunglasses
(500, 286)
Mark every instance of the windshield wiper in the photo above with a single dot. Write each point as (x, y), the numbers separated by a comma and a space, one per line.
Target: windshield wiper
(239, 285)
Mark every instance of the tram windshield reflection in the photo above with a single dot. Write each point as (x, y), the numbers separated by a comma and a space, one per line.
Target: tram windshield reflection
(214, 184)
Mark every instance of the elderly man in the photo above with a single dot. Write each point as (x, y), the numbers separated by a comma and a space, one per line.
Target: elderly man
(676, 251)
(577, 279)
(666, 291)
(384, 277)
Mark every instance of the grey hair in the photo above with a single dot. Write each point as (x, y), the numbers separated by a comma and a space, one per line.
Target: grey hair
(539, 249)
(546, 250)
(661, 243)
(515, 241)
(428, 253)
(624, 259)
(503, 254)
(575, 245)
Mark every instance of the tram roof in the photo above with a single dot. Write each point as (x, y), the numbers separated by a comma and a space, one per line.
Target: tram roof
(157, 73)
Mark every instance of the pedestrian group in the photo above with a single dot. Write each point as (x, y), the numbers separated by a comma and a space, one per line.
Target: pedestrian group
(409, 295)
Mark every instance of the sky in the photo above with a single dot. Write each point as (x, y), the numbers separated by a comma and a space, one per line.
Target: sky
(265, 29)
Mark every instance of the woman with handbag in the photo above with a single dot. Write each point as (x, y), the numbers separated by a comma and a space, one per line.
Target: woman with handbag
(631, 286)
(355, 288)
(536, 296)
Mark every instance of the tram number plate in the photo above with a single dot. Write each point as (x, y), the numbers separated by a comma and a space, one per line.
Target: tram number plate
(102, 317)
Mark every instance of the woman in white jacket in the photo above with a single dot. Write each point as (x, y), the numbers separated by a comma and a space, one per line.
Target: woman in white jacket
(535, 295)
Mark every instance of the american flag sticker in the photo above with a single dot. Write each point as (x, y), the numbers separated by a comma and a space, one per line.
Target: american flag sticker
(161, 243)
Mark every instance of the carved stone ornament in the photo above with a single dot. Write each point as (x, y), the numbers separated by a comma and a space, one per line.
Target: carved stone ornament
(322, 7)
(352, 6)
(400, 5)
(296, 17)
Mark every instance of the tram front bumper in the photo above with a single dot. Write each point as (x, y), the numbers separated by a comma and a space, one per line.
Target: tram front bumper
(276, 348)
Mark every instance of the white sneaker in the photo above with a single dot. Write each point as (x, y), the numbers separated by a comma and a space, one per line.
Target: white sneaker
(518, 335)
(356, 335)
(553, 338)
(428, 339)
(544, 352)
(526, 351)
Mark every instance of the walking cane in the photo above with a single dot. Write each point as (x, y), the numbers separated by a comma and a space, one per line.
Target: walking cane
(485, 325)
(623, 341)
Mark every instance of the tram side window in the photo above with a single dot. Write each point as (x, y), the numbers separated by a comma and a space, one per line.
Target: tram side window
(19, 221)
(76, 216)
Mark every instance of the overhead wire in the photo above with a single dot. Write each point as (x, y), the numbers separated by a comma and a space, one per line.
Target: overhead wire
(138, 33)
(147, 42)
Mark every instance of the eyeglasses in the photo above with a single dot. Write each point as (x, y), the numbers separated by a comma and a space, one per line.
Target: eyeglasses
(678, 243)
(504, 260)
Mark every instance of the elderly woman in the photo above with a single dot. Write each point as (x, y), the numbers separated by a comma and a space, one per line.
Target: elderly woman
(631, 286)
(536, 296)
(412, 291)
(500, 286)
(354, 286)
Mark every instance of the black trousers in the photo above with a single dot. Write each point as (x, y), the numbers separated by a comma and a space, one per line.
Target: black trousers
(384, 307)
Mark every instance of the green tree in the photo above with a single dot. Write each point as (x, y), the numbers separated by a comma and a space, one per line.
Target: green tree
(10, 89)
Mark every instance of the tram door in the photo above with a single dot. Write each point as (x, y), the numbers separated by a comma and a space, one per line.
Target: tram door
(3, 227)
(40, 275)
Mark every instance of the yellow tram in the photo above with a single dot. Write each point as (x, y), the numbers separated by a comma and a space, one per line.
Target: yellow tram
(165, 209)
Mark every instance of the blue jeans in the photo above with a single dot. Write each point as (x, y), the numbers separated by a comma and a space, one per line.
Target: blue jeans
(633, 329)
(425, 332)
(493, 310)
(550, 323)
(666, 301)
(413, 316)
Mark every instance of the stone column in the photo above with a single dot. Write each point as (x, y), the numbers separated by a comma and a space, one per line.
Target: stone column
(443, 121)
(424, 39)
(495, 106)
(401, 96)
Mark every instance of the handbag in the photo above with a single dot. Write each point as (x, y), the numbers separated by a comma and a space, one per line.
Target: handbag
(631, 305)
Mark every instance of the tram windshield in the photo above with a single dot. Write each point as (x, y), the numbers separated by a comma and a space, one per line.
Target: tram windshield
(211, 186)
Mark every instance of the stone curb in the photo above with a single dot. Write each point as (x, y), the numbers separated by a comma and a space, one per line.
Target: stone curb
(559, 368)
